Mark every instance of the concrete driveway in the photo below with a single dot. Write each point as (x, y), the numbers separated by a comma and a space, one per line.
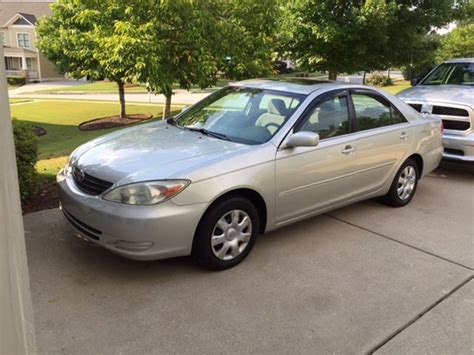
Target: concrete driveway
(363, 279)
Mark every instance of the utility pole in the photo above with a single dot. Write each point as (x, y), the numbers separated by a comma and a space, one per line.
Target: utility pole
(16, 313)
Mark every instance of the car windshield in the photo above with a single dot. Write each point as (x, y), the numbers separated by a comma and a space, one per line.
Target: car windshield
(451, 74)
(241, 114)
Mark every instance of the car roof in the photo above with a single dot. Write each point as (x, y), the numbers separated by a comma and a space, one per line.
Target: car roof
(460, 60)
(303, 86)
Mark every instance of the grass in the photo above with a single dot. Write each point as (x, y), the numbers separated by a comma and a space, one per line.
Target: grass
(397, 86)
(61, 118)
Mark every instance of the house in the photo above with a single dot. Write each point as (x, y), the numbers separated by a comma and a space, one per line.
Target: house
(18, 37)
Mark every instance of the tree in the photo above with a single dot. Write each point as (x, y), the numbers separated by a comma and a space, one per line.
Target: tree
(249, 29)
(96, 39)
(459, 43)
(422, 56)
(180, 46)
(338, 35)
(191, 41)
(352, 35)
(160, 42)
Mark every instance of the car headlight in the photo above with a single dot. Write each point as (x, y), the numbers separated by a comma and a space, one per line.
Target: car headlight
(146, 193)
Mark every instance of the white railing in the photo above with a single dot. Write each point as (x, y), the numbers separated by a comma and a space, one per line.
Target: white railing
(14, 73)
(32, 74)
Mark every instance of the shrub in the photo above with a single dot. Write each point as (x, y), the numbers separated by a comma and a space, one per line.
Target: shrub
(26, 147)
(16, 80)
(379, 80)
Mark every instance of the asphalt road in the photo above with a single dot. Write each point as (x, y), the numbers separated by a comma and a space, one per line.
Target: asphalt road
(363, 279)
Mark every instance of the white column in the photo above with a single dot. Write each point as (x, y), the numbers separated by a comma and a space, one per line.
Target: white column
(16, 314)
(24, 66)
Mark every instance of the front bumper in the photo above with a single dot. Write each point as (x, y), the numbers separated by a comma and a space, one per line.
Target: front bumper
(136, 232)
(458, 147)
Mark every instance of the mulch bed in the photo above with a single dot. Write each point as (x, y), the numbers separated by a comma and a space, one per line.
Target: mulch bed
(112, 121)
(47, 197)
(39, 131)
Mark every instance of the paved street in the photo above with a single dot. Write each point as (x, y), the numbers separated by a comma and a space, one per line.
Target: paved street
(179, 97)
(362, 279)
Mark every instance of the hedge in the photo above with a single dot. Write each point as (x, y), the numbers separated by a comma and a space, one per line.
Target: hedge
(26, 147)
(379, 80)
(16, 80)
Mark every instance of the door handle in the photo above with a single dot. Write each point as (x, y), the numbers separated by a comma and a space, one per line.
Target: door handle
(404, 136)
(348, 150)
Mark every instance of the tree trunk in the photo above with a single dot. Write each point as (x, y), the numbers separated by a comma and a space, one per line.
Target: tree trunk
(388, 73)
(363, 78)
(121, 89)
(332, 75)
(167, 110)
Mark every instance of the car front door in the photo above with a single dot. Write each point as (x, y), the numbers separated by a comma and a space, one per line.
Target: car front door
(384, 138)
(309, 179)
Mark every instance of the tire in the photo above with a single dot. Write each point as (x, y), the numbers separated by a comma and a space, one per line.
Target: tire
(223, 226)
(400, 195)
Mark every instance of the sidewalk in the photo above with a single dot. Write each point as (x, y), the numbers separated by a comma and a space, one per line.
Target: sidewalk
(180, 97)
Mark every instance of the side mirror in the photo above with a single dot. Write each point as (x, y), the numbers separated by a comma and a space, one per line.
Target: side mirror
(414, 81)
(303, 139)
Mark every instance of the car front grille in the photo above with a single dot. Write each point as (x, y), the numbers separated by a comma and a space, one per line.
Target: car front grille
(449, 123)
(454, 151)
(449, 111)
(85, 229)
(89, 184)
(456, 125)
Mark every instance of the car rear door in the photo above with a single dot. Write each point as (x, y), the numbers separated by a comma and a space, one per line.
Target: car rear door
(384, 138)
(309, 179)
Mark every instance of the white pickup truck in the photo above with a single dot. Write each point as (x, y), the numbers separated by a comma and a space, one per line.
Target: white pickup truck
(448, 92)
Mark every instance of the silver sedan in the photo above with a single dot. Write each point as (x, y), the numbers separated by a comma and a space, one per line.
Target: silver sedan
(250, 158)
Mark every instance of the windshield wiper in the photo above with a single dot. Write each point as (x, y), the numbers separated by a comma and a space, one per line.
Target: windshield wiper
(209, 133)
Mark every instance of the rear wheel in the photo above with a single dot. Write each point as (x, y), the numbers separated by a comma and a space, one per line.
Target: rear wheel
(404, 185)
(226, 233)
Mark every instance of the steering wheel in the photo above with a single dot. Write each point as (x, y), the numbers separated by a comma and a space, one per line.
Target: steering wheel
(272, 124)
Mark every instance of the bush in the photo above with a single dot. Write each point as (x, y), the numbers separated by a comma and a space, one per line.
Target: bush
(16, 80)
(26, 147)
(379, 80)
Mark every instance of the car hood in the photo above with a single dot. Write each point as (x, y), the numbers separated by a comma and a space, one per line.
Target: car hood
(148, 152)
(458, 94)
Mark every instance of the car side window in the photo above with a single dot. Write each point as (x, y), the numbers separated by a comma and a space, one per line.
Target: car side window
(373, 112)
(329, 119)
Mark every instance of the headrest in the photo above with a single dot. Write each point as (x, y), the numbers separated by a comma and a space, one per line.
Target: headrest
(327, 107)
(277, 107)
(467, 77)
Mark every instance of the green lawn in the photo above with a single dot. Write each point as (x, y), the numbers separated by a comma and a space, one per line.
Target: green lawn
(397, 87)
(61, 118)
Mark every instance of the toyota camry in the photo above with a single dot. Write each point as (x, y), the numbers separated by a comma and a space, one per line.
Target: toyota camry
(252, 157)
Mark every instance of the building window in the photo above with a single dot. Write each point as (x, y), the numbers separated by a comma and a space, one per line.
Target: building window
(29, 63)
(13, 63)
(3, 38)
(23, 40)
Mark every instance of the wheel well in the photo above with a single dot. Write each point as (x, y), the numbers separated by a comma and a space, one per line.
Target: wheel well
(254, 197)
(419, 161)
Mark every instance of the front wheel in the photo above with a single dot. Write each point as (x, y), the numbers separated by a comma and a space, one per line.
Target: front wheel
(226, 233)
(404, 185)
